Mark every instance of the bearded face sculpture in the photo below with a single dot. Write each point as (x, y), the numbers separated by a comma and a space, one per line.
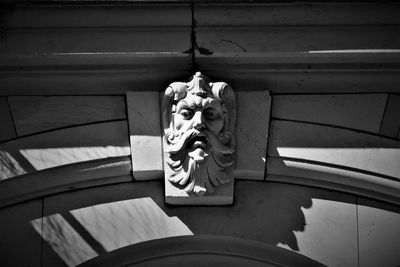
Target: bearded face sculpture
(198, 121)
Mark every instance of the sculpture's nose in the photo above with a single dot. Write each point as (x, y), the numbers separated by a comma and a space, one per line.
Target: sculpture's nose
(198, 123)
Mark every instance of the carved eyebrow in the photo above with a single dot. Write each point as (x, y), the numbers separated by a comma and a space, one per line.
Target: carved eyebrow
(211, 104)
(184, 104)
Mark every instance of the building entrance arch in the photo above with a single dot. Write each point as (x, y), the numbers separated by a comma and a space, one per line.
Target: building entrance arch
(200, 250)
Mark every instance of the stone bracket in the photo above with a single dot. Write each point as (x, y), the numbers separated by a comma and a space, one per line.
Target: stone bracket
(145, 129)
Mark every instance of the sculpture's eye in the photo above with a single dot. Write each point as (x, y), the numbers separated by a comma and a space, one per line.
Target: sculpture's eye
(186, 113)
(210, 114)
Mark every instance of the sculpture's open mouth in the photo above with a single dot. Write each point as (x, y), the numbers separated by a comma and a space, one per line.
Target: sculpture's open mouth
(198, 141)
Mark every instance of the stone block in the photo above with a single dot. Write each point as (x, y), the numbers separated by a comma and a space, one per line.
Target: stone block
(355, 111)
(379, 233)
(252, 134)
(37, 113)
(145, 134)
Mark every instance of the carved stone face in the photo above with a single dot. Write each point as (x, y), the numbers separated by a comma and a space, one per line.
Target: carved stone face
(203, 116)
(198, 124)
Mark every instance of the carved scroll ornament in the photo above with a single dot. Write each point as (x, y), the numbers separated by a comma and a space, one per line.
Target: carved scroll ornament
(199, 143)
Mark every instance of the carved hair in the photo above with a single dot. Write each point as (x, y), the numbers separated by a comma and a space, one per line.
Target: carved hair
(219, 90)
(199, 174)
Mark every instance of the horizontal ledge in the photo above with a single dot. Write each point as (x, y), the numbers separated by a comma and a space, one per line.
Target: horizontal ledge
(114, 3)
(146, 69)
(100, 28)
(312, 174)
(148, 175)
(302, 68)
(370, 57)
(256, 175)
(95, 14)
(297, 13)
(95, 61)
(149, 2)
(88, 82)
(65, 178)
(111, 82)
(306, 82)
(223, 27)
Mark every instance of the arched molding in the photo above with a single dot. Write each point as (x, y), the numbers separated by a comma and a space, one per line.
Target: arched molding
(63, 146)
(65, 178)
(301, 169)
(334, 158)
(201, 250)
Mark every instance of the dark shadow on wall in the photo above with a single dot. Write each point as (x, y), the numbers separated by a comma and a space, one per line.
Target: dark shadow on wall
(265, 212)
(120, 215)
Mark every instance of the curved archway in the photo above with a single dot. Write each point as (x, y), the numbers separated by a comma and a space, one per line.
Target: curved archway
(201, 250)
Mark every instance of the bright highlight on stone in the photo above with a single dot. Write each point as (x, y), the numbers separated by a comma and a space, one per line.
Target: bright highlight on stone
(199, 141)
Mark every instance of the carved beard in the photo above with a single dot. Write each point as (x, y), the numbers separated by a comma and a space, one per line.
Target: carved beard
(199, 168)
